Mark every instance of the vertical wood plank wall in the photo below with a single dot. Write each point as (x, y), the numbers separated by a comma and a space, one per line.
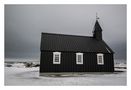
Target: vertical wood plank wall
(68, 63)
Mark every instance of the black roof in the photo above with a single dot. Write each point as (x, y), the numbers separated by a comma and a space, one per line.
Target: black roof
(62, 42)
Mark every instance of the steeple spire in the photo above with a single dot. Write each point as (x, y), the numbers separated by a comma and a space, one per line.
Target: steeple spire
(97, 32)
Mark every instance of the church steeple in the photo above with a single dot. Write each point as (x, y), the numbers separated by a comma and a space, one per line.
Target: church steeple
(97, 32)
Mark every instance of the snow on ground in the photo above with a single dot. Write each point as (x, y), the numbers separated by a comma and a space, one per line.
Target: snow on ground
(18, 74)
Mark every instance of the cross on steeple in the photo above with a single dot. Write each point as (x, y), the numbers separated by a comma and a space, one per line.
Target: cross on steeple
(97, 16)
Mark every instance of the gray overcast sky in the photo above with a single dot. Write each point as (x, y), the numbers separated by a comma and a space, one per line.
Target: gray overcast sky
(24, 24)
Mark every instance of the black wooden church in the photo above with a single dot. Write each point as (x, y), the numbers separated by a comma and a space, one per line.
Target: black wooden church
(72, 53)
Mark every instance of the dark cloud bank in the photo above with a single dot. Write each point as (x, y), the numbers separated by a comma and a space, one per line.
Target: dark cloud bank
(24, 24)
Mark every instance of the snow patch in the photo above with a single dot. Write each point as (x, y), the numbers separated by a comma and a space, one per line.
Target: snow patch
(17, 73)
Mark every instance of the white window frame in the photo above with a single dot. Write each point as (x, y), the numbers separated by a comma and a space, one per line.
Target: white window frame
(98, 59)
(77, 54)
(54, 56)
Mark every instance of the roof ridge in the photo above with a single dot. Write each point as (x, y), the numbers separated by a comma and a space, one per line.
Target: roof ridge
(66, 34)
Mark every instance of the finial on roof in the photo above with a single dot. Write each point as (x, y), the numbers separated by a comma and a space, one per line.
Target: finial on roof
(97, 16)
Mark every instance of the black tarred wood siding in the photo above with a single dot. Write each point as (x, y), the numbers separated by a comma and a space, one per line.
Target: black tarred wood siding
(68, 63)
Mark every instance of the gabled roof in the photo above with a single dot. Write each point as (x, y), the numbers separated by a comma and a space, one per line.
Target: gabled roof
(73, 43)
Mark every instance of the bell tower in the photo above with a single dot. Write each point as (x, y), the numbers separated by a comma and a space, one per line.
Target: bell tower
(97, 32)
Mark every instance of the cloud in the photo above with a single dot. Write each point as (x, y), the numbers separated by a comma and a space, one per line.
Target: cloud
(24, 24)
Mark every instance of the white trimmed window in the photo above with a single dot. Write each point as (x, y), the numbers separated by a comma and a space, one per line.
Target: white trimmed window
(100, 59)
(56, 57)
(79, 58)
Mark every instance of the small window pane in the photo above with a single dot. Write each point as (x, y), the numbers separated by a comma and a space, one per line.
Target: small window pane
(79, 58)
